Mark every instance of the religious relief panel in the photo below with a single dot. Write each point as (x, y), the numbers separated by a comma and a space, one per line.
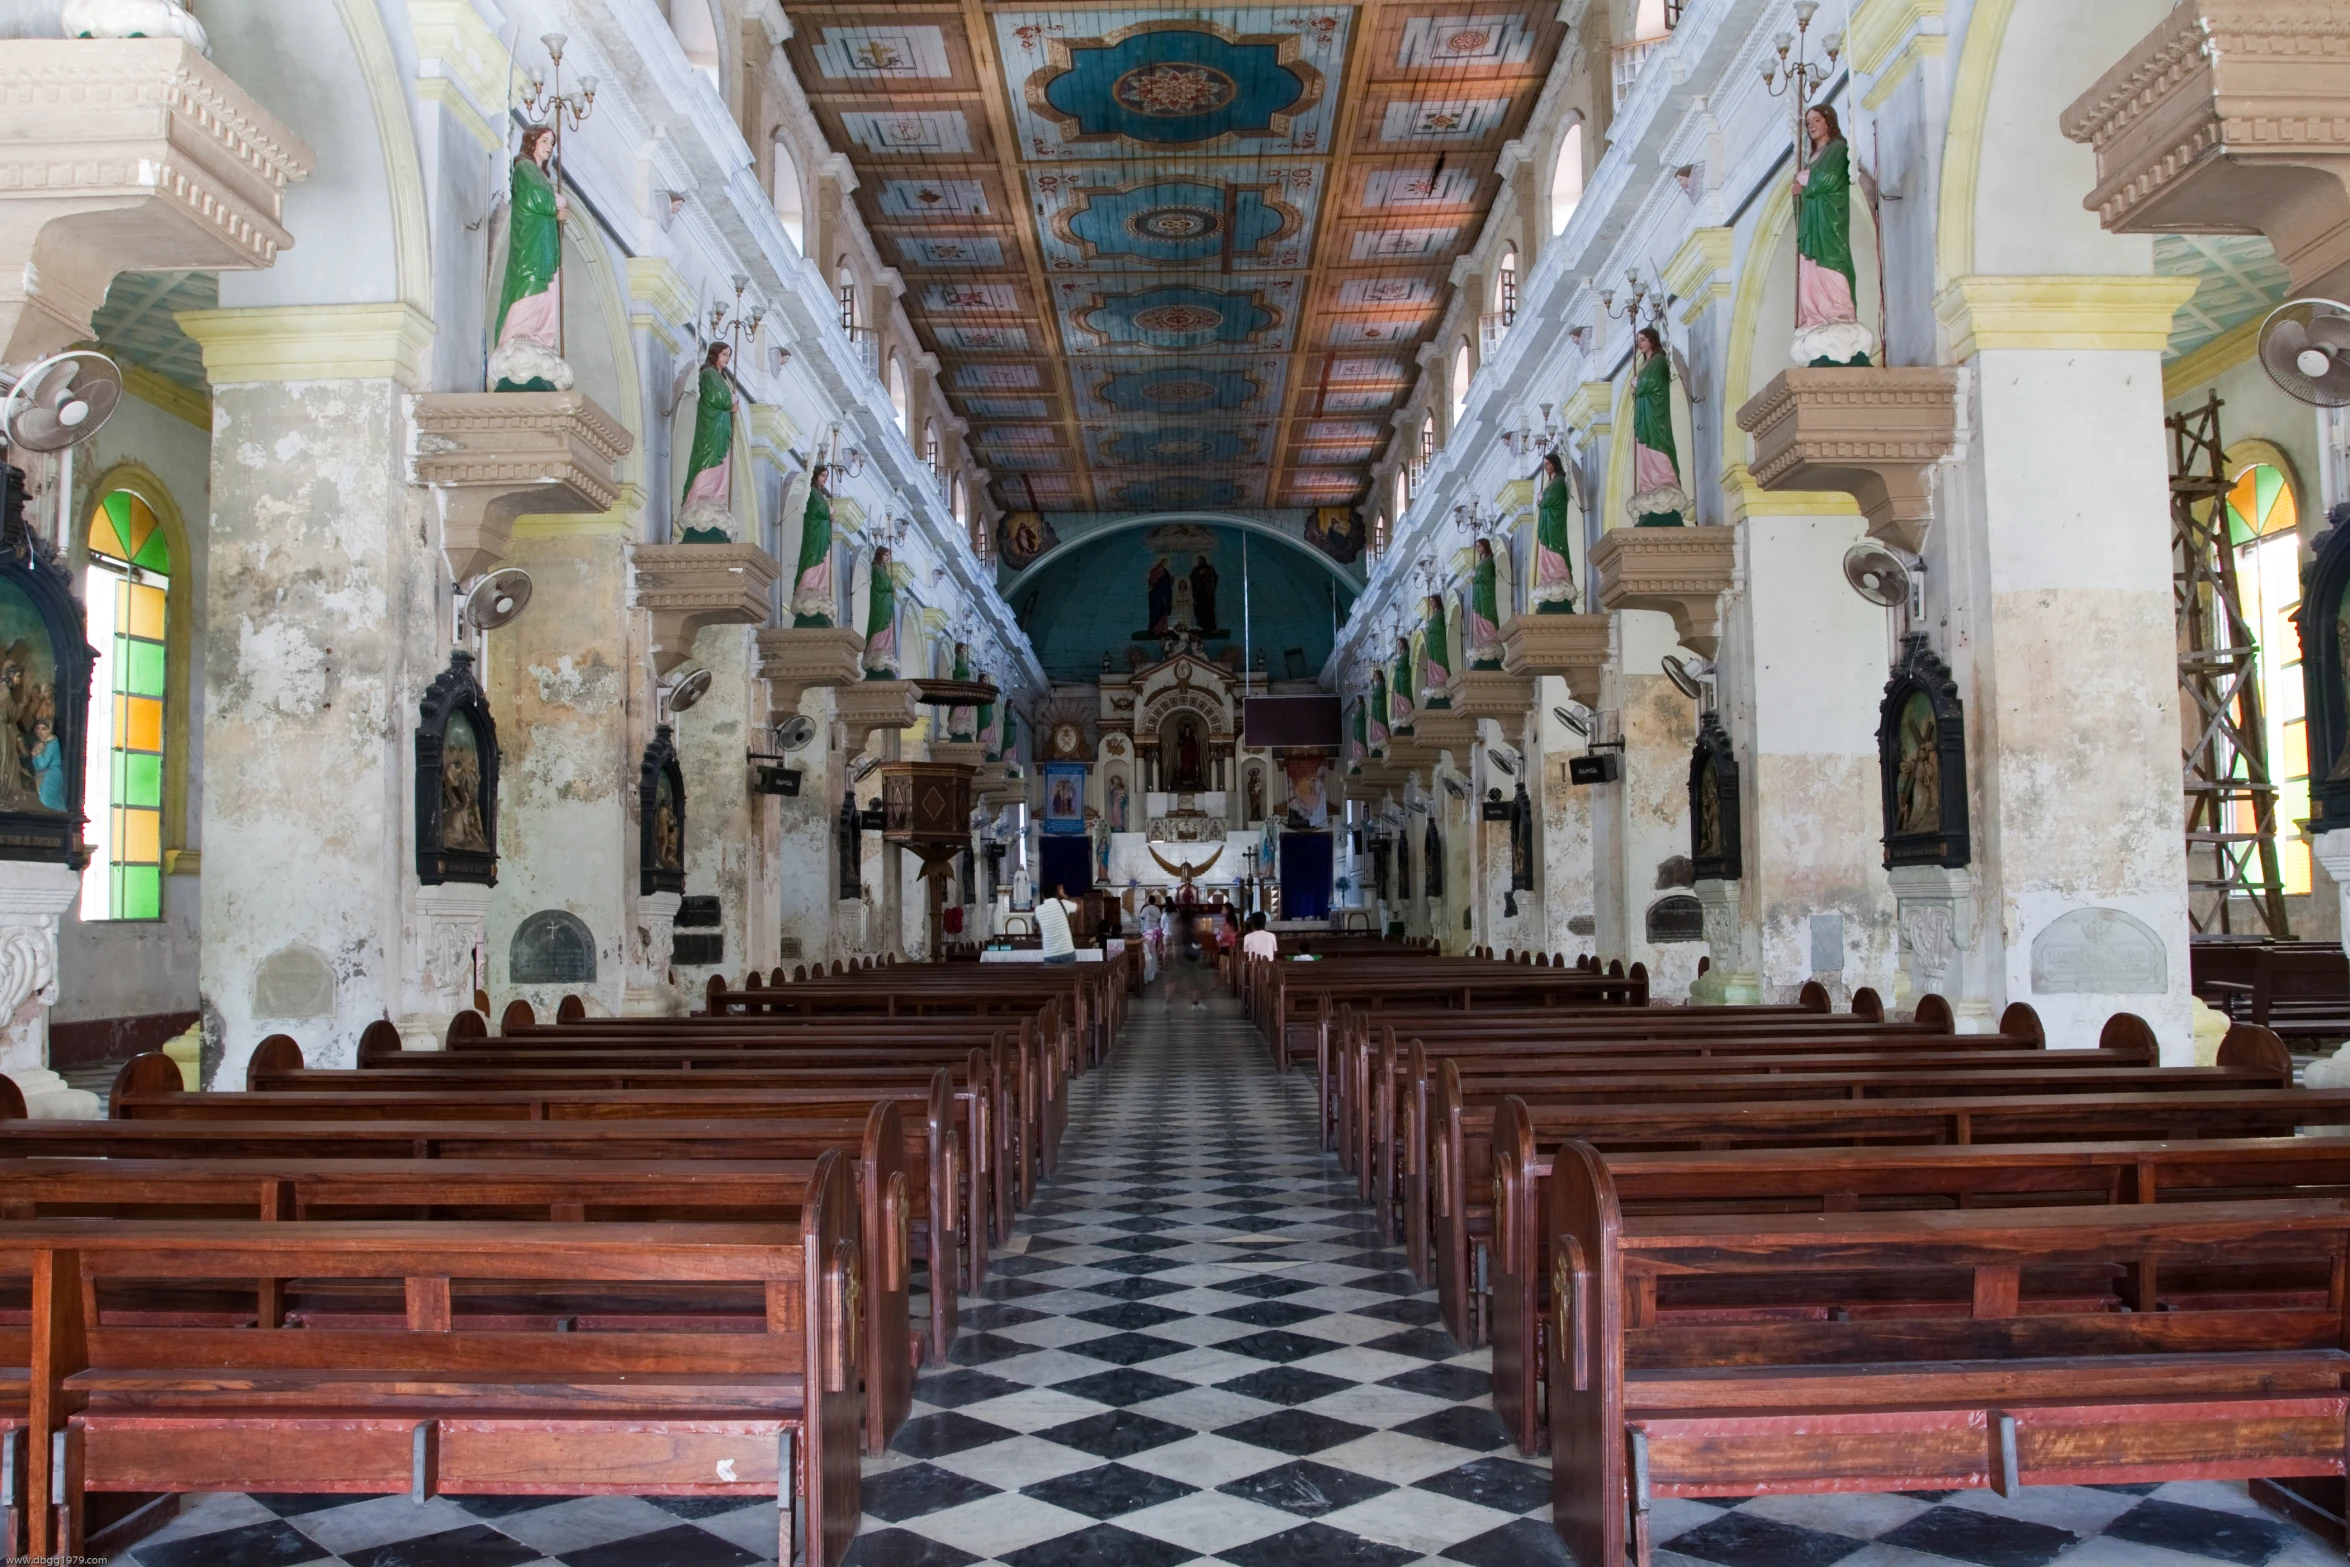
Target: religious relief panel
(45, 661)
(661, 817)
(456, 780)
(1921, 761)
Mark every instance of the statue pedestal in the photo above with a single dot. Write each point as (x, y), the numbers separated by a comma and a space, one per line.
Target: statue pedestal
(648, 992)
(1681, 571)
(1935, 908)
(689, 586)
(1573, 647)
(496, 456)
(1448, 729)
(32, 896)
(127, 155)
(792, 660)
(446, 925)
(1507, 699)
(871, 705)
(1872, 434)
(1730, 979)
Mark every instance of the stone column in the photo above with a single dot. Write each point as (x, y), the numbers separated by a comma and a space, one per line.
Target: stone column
(1641, 821)
(1940, 946)
(1731, 976)
(2061, 634)
(648, 992)
(446, 926)
(32, 896)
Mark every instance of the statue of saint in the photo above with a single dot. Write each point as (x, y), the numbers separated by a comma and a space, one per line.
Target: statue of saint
(1917, 784)
(1358, 743)
(1484, 627)
(1658, 501)
(1709, 813)
(1399, 689)
(1256, 795)
(529, 327)
(707, 516)
(1159, 588)
(1435, 655)
(811, 593)
(1376, 729)
(1189, 773)
(1117, 800)
(881, 619)
(1203, 596)
(962, 718)
(1554, 562)
(1828, 330)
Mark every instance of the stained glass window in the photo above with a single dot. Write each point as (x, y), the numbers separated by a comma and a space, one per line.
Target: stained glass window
(129, 576)
(2263, 527)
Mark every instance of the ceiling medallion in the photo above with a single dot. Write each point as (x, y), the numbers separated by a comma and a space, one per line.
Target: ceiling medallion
(1175, 223)
(1178, 391)
(1178, 318)
(1170, 88)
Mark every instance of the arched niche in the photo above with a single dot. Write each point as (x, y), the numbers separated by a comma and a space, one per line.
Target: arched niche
(1762, 324)
(700, 36)
(742, 496)
(1619, 464)
(790, 194)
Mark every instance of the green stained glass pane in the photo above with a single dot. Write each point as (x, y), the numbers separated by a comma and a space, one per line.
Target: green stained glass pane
(142, 892)
(155, 553)
(110, 535)
(121, 761)
(142, 782)
(143, 668)
(2240, 530)
(2266, 482)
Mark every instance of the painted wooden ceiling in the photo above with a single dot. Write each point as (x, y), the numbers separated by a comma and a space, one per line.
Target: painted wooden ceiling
(1175, 258)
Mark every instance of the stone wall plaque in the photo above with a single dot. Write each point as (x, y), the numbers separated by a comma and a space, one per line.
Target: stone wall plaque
(293, 982)
(1677, 918)
(2099, 952)
(1827, 943)
(552, 947)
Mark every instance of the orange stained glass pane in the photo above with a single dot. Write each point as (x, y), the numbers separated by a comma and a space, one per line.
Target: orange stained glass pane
(140, 840)
(146, 612)
(110, 524)
(142, 723)
(2292, 758)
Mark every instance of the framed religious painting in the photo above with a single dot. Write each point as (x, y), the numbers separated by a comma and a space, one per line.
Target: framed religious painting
(1716, 851)
(456, 780)
(45, 664)
(661, 817)
(1064, 797)
(1921, 761)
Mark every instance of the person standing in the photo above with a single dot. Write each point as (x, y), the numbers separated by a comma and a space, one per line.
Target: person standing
(1052, 927)
(1260, 942)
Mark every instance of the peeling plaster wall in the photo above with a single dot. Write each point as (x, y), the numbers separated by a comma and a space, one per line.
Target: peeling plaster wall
(560, 680)
(320, 636)
(728, 836)
(1564, 855)
(1642, 820)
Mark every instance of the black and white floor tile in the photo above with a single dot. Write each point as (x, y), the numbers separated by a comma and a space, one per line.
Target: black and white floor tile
(1194, 1350)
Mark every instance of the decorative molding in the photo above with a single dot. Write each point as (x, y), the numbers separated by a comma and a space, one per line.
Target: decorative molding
(2227, 118)
(167, 396)
(2213, 360)
(123, 155)
(1962, 145)
(666, 300)
(794, 660)
(376, 342)
(1572, 647)
(1749, 499)
(689, 586)
(1681, 571)
(496, 456)
(1699, 272)
(1873, 433)
(1884, 32)
(872, 705)
(1920, 48)
(2119, 314)
(1590, 406)
(463, 66)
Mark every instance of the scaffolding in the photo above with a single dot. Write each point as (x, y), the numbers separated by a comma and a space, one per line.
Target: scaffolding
(2232, 875)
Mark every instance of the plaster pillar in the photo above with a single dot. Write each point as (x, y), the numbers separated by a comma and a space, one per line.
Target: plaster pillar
(2061, 633)
(1803, 668)
(1563, 864)
(447, 925)
(1730, 977)
(730, 834)
(324, 627)
(1641, 821)
(32, 897)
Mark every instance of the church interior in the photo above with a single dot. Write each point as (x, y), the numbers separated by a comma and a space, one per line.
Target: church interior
(1458, 781)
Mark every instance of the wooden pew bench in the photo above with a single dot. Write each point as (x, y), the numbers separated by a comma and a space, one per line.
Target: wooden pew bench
(564, 1191)
(441, 1405)
(1998, 1380)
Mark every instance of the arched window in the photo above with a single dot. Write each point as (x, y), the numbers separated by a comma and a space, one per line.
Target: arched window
(1505, 287)
(697, 33)
(1428, 439)
(2263, 528)
(1379, 534)
(1566, 178)
(1403, 492)
(846, 282)
(790, 200)
(957, 502)
(897, 395)
(1464, 365)
(931, 453)
(128, 580)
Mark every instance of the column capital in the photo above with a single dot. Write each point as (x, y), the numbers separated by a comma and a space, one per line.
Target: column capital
(2123, 314)
(388, 341)
(1699, 272)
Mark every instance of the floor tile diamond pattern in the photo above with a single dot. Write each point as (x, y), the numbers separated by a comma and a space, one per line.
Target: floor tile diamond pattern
(1194, 1351)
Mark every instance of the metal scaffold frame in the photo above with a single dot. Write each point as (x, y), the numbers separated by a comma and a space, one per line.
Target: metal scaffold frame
(2231, 872)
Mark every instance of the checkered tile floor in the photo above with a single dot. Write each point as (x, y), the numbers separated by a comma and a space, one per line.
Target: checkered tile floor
(1195, 1351)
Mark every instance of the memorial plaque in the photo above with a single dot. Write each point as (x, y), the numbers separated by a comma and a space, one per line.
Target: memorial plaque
(552, 947)
(2099, 952)
(293, 982)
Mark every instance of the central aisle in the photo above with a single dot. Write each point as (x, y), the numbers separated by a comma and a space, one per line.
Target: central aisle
(1195, 1347)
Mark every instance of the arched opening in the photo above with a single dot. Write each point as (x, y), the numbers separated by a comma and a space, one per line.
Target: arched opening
(1403, 493)
(1505, 288)
(1464, 365)
(1427, 440)
(897, 395)
(845, 282)
(697, 33)
(1566, 178)
(932, 453)
(2264, 516)
(126, 586)
(1379, 534)
(790, 199)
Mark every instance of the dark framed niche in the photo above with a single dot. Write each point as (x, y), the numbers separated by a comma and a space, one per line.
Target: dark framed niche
(1675, 917)
(849, 850)
(552, 947)
(2325, 599)
(1717, 849)
(456, 780)
(1921, 761)
(661, 817)
(45, 663)
(1432, 860)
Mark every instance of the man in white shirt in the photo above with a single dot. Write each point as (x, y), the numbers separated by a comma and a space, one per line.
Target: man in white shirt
(1052, 926)
(1259, 942)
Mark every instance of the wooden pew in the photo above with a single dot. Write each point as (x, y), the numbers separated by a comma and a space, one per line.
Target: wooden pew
(1992, 1388)
(437, 1405)
(1301, 997)
(564, 1191)
(1461, 1170)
